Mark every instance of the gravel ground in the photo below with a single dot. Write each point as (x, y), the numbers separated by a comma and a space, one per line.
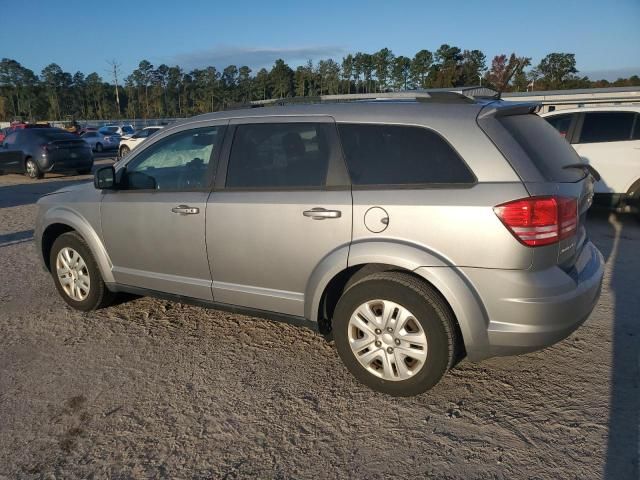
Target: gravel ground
(153, 389)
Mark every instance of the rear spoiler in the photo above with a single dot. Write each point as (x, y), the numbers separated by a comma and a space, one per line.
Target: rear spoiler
(502, 109)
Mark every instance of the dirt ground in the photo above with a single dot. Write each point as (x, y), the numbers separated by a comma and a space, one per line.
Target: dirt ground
(153, 389)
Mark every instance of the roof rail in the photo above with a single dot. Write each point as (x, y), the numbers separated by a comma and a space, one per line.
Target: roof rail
(452, 95)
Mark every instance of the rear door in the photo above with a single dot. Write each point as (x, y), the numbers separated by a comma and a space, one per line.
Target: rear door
(11, 157)
(606, 142)
(282, 204)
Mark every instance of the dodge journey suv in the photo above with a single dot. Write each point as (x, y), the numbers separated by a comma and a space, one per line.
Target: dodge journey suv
(414, 232)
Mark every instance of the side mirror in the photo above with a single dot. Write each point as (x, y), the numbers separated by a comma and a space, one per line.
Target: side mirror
(105, 178)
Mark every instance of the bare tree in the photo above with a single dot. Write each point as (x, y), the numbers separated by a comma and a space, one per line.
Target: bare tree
(114, 70)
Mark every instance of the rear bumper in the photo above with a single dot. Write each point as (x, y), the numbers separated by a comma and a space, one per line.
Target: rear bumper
(82, 162)
(529, 311)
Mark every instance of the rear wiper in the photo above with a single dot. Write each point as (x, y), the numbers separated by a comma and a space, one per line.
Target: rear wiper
(585, 166)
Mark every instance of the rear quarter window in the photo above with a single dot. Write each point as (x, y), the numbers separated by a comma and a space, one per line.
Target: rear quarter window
(548, 151)
(400, 155)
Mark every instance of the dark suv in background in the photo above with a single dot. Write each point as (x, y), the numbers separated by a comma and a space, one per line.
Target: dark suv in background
(35, 151)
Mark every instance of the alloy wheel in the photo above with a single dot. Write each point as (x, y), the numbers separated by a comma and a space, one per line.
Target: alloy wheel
(73, 274)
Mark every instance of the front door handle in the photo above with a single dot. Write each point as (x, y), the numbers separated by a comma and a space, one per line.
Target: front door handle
(319, 213)
(185, 210)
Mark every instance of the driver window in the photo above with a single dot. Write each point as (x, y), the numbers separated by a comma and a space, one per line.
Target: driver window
(178, 162)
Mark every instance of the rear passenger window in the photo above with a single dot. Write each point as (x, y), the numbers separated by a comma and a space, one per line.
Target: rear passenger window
(561, 123)
(606, 127)
(399, 155)
(279, 155)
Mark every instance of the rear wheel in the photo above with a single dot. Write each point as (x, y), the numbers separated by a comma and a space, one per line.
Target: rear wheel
(76, 274)
(31, 169)
(99, 147)
(394, 333)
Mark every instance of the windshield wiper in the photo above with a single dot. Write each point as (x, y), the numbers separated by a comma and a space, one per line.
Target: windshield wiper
(585, 166)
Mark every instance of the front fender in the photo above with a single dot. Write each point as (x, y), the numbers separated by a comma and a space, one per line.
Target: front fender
(67, 216)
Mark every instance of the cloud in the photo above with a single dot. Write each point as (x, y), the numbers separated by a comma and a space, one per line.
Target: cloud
(610, 74)
(254, 57)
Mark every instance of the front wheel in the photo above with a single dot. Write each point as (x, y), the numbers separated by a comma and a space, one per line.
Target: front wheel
(32, 170)
(76, 274)
(394, 333)
(124, 151)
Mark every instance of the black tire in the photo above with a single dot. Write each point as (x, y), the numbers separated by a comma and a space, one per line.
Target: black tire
(99, 295)
(32, 169)
(429, 309)
(99, 147)
(124, 151)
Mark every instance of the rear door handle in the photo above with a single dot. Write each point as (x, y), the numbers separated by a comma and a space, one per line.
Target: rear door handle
(319, 213)
(185, 210)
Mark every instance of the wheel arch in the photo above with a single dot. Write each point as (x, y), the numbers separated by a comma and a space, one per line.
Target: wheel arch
(330, 279)
(63, 220)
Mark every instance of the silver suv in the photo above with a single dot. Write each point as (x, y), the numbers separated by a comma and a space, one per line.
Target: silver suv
(413, 232)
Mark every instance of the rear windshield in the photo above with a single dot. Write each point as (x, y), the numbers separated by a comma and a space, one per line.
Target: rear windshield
(546, 149)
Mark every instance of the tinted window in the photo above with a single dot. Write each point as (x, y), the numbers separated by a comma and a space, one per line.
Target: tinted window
(636, 129)
(397, 155)
(127, 129)
(279, 155)
(544, 147)
(178, 162)
(606, 127)
(561, 123)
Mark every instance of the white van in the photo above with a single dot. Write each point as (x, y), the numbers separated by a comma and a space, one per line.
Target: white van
(608, 138)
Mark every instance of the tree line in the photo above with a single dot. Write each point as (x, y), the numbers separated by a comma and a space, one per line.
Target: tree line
(170, 91)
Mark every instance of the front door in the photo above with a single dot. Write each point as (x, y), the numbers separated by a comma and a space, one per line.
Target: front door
(285, 206)
(154, 224)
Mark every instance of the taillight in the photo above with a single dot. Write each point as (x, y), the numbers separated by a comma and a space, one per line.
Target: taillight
(537, 221)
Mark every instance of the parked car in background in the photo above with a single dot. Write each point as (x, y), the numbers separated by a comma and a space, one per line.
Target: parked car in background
(121, 130)
(35, 151)
(608, 138)
(3, 133)
(416, 232)
(101, 140)
(128, 143)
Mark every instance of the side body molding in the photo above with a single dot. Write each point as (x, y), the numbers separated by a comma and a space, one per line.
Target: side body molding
(447, 279)
(67, 216)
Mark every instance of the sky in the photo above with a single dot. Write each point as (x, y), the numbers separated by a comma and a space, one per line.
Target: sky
(86, 35)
